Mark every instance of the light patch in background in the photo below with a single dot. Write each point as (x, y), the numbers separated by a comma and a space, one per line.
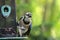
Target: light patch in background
(37, 16)
(57, 28)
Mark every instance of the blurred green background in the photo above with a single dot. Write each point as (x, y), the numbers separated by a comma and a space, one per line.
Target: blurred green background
(45, 18)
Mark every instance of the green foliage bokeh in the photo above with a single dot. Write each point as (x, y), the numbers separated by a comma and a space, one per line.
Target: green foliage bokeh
(37, 8)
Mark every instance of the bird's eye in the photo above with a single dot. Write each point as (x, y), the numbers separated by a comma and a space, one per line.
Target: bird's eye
(29, 16)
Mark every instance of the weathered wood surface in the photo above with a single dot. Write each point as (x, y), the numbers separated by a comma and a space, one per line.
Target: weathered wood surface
(11, 20)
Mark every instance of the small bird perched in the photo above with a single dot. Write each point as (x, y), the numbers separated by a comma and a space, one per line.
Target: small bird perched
(25, 24)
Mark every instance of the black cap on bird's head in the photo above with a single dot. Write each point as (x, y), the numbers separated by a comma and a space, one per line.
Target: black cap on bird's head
(28, 14)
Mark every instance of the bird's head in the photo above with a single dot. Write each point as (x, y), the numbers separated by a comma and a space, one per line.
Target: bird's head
(27, 18)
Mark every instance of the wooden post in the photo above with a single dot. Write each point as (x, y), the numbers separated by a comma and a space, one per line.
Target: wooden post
(11, 20)
(2, 22)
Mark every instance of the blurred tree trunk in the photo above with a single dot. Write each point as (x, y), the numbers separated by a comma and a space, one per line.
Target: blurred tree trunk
(46, 25)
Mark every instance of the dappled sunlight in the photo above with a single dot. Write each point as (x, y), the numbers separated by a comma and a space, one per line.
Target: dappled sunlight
(37, 16)
(57, 28)
(53, 32)
(58, 3)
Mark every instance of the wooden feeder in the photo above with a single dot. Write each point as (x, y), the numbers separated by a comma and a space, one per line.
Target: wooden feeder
(8, 19)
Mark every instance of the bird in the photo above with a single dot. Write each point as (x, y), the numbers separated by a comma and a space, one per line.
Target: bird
(25, 24)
